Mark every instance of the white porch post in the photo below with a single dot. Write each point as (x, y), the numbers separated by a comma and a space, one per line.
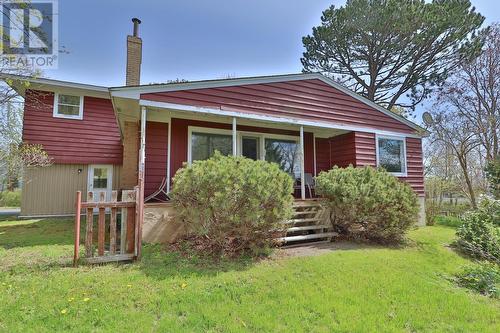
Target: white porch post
(169, 144)
(302, 176)
(140, 194)
(234, 137)
(314, 150)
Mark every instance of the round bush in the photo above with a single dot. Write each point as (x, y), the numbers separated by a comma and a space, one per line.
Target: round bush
(234, 203)
(368, 203)
(10, 198)
(479, 234)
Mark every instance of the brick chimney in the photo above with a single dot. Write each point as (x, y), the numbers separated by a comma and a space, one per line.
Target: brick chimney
(131, 128)
(134, 56)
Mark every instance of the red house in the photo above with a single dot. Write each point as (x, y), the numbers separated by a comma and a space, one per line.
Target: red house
(306, 122)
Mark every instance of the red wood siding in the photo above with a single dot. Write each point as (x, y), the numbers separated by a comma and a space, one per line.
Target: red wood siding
(323, 160)
(156, 155)
(95, 139)
(311, 100)
(415, 165)
(366, 154)
(308, 153)
(342, 150)
(179, 147)
(359, 149)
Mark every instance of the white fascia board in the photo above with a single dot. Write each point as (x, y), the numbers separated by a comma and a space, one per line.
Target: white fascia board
(52, 82)
(44, 84)
(272, 119)
(135, 91)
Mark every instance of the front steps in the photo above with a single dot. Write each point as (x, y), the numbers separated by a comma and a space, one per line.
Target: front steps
(307, 224)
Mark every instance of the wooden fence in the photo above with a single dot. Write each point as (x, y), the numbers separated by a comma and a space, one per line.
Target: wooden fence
(122, 245)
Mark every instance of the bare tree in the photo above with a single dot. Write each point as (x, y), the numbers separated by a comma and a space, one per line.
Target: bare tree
(455, 133)
(474, 94)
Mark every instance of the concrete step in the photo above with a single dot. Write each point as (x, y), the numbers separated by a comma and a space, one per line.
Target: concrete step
(293, 221)
(308, 227)
(307, 237)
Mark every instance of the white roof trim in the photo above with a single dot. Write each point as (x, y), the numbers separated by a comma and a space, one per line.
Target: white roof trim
(136, 91)
(145, 89)
(291, 121)
(55, 83)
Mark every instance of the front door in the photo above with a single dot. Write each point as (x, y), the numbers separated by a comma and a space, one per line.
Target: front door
(100, 179)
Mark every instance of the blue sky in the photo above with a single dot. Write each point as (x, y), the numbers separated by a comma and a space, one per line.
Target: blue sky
(191, 39)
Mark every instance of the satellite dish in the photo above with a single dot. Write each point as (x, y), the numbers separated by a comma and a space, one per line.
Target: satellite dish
(427, 117)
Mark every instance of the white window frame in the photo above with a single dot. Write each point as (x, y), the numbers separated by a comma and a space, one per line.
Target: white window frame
(205, 130)
(56, 108)
(393, 137)
(240, 134)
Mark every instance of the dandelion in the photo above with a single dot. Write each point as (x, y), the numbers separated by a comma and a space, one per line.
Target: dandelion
(64, 311)
(129, 285)
(184, 285)
(86, 299)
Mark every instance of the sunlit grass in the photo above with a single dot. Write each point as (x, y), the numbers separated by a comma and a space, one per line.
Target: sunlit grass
(365, 289)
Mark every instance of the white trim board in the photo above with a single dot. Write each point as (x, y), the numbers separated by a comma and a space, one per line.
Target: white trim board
(272, 119)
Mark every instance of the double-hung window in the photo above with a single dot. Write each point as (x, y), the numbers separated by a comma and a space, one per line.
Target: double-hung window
(391, 154)
(68, 106)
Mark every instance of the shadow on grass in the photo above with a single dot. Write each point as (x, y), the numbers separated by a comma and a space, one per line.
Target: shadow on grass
(161, 263)
(27, 233)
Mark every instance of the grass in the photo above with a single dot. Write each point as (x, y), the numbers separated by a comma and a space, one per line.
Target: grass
(365, 289)
(448, 221)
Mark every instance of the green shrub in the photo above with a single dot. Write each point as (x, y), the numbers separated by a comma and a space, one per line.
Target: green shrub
(10, 199)
(431, 212)
(448, 221)
(368, 203)
(479, 234)
(484, 279)
(233, 203)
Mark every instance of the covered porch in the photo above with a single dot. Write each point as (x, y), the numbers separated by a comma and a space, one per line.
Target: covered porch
(172, 137)
(175, 136)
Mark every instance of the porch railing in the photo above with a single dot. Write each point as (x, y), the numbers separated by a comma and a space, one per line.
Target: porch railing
(119, 246)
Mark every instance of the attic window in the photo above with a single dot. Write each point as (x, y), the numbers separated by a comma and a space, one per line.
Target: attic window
(68, 106)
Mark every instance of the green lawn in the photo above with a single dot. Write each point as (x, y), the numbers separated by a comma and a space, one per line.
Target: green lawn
(362, 290)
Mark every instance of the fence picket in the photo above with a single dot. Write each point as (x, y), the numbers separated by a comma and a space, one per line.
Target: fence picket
(101, 226)
(130, 229)
(89, 227)
(100, 203)
(112, 225)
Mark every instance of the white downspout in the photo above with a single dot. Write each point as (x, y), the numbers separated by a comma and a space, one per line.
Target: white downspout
(234, 137)
(302, 175)
(169, 144)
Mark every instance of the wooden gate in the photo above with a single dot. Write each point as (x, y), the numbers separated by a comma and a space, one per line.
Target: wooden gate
(111, 244)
